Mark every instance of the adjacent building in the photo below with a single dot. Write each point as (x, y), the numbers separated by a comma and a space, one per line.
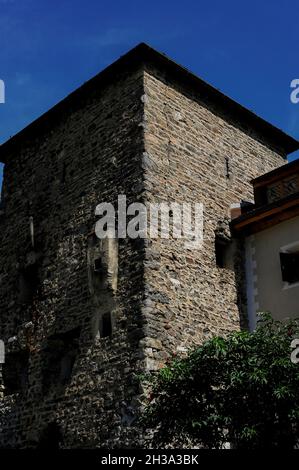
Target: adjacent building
(270, 228)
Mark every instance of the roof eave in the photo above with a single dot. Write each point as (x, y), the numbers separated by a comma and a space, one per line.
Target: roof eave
(143, 53)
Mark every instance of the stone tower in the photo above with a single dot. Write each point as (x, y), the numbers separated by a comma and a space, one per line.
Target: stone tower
(81, 317)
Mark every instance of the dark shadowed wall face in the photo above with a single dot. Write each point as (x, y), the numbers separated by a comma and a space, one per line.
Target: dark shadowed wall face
(81, 354)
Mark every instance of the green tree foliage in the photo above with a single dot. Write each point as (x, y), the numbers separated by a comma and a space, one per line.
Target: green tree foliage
(242, 389)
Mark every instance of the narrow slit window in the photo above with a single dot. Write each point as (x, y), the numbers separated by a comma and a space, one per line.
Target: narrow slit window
(227, 168)
(28, 284)
(106, 325)
(220, 252)
(59, 359)
(98, 266)
(15, 373)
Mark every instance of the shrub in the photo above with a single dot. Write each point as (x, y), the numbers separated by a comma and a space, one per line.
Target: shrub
(242, 389)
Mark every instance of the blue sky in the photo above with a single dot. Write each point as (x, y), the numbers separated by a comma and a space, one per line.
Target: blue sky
(249, 50)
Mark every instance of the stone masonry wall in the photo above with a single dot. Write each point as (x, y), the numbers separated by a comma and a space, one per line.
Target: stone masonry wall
(76, 387)
(195, 154)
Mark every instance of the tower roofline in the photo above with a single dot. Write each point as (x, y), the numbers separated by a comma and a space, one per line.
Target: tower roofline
(144, 54)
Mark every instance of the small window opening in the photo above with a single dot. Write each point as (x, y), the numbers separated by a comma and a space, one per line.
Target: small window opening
(28, 283)
(289, 262)
(99, 266)
(15, 372)
(105, 325)
(60, 356)
(66, 367)
(227, 167)
(51, 437)
(221, 246)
